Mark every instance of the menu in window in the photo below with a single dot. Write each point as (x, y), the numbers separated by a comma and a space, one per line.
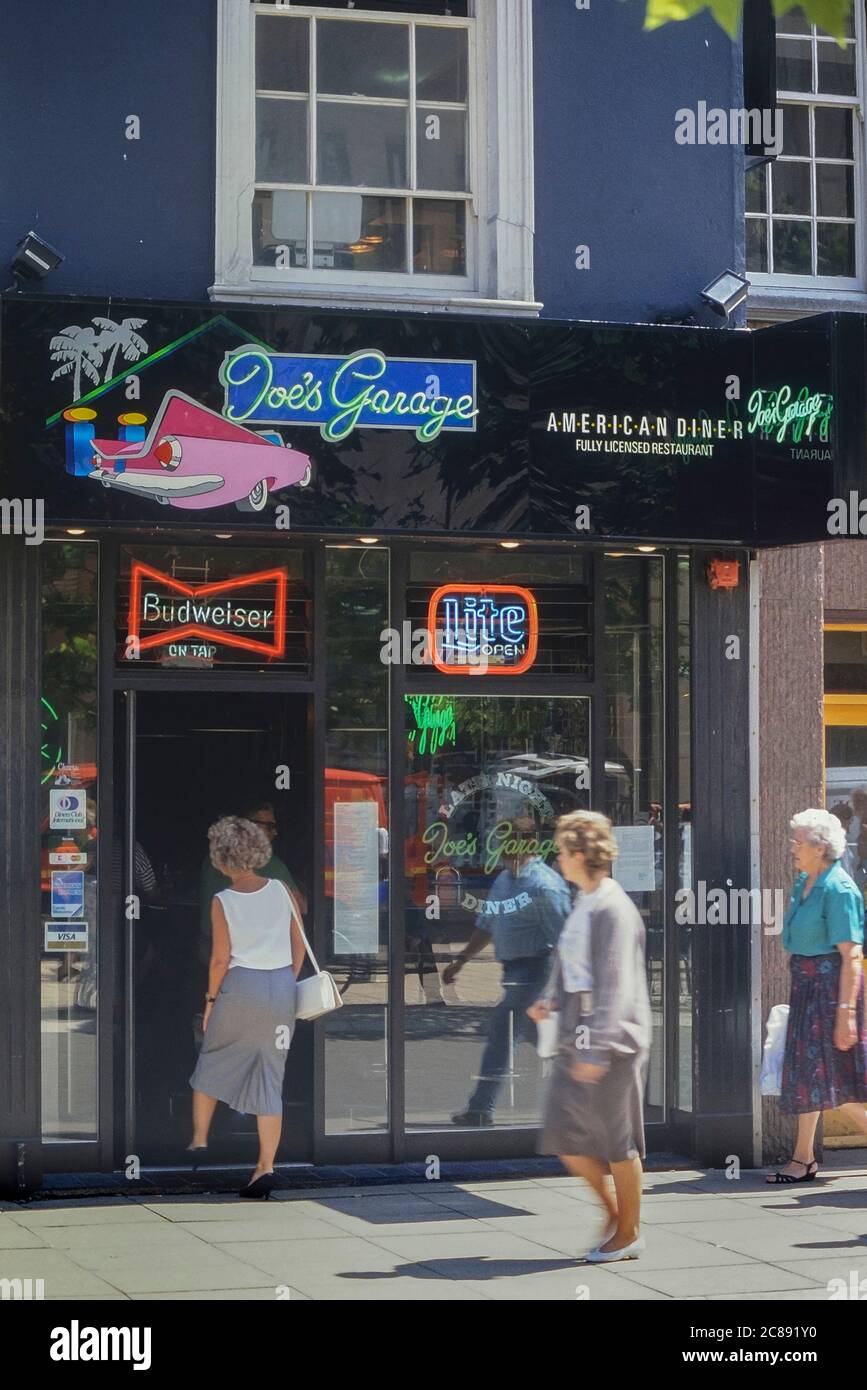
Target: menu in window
(356, 878)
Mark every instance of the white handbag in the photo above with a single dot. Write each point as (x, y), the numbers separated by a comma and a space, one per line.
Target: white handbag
(318, 994)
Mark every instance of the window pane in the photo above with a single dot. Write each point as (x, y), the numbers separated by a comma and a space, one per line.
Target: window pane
(835, 245)
(793, 23)
(794, 65)
(796, 130)
(481, 805)
(757, 190)
(757, 244)
(358, 59)
(792, 253)
(355, 232)
(835, 195)
(791, 187)
(439, 237)
(845, 663)
(441, 64)
(281, 141)
(442, 150)
(282, 54)
(280, 228)
(833, 133)
(362, 145)
(837, 69)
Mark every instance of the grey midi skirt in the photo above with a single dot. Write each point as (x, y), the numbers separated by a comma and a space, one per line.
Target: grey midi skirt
(243, 1055)
(604, 1120)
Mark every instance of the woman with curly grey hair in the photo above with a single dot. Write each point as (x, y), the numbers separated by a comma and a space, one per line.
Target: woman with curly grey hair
(256, 953)
(594, 1116)
(825, 1061)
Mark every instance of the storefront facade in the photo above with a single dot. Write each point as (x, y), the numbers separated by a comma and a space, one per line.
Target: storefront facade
(419, 586)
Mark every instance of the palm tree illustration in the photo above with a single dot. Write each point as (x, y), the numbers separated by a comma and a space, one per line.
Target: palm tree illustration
(79, 351)
(120, 337)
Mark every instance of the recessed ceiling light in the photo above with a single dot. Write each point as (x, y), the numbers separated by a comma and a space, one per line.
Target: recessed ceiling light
(223, 535)
(75, 531)
(369, 540)
(646, 549)
(510, 545)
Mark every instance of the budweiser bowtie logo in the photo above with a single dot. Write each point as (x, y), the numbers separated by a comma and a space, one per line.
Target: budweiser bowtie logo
(247, 612)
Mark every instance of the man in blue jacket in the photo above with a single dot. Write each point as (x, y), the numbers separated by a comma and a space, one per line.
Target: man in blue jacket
(524, 914)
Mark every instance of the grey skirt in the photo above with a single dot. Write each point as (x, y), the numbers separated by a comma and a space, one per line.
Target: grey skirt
(604, 1120)
(243, 1056)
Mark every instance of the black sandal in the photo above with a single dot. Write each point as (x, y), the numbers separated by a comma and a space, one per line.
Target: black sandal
(810, 1171)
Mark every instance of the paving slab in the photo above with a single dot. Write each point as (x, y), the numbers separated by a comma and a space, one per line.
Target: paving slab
(769, 1238)
(63, 1277)
(741, 1280)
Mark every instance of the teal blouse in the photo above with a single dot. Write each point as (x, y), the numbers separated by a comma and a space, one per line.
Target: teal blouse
(832, 912)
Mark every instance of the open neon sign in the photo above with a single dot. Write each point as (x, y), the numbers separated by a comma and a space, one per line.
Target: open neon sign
(220, 612)
(490, 629)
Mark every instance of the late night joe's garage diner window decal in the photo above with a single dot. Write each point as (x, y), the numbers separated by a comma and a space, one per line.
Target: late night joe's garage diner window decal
(483, 629)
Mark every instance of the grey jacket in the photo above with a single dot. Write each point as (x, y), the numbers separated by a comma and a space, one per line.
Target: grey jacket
(620, 1021)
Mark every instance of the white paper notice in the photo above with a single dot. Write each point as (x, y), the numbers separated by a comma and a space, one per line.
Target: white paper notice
(634, 867)
(356, 878)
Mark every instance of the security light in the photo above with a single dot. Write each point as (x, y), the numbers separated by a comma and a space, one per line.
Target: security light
(34, 258)
(726, 292)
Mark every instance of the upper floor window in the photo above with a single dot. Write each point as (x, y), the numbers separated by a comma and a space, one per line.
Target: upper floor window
(805, 211)
(355, 154)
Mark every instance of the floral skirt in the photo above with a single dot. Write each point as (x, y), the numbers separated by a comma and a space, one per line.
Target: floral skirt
(816, 1074)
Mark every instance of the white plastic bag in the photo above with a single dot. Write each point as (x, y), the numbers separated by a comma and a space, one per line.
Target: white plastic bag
(548, 1035)
(775, 1046)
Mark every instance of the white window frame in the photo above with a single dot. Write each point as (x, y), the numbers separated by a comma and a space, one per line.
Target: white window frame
(500, 209)
(786, 296)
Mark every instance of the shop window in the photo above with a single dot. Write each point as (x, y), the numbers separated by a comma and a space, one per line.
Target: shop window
(70, 842)
(804, 222)
(355, 154)
(846, 740)
(195, 607)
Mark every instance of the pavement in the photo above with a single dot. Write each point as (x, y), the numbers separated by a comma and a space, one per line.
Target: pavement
(708, 1237)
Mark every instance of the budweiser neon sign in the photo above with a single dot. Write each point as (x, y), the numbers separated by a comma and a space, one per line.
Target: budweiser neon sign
(248, 612)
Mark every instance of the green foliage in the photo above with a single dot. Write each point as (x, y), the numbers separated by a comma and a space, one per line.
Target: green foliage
(830, 15)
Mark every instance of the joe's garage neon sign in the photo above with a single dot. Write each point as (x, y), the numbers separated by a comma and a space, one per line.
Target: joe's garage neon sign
(489, 629)
(248, 612)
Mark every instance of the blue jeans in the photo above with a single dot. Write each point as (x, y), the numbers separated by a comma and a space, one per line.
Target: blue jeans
(523, 982)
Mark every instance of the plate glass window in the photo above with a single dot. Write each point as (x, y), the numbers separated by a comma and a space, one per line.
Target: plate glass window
(363, 139)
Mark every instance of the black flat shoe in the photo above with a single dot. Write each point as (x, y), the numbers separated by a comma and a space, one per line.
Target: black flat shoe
(261, 1188)
(193, 1157)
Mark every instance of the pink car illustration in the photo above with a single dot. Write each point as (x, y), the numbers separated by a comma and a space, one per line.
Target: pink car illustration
(192, 457)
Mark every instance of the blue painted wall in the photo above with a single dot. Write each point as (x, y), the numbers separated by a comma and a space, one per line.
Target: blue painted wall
(661, 219)
(135, 218)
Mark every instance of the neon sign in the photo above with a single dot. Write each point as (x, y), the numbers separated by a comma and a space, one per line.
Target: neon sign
(777, 413)
(163, 610)
(490, 629)
(340, 394)
(434, 721)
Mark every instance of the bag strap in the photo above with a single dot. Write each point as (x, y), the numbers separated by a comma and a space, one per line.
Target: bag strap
(296, 914)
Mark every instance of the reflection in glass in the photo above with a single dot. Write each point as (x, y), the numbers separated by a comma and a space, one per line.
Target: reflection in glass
(794, 65)
(70, 829)
(281, 140)
(358, 59)
(837, 69)
(486, 779)
(361, 145)
(282, 54)
(833, 132)
(791, 187)
(685, 1031)
(280, 228)
(835, 249)
(441, 64)
(792, 249)
(757, 244)
(356, 839)
(442, 150)
(835, 194)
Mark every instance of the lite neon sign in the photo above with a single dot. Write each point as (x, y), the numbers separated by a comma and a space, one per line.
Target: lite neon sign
(227, 612)
(491, 629)
(341, 394)
(783, 413)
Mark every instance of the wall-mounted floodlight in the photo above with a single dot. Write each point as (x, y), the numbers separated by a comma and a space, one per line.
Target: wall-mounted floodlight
(726, 292)
(34, 258)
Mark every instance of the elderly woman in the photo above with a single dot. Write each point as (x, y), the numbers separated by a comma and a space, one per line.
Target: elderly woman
(594, 1116)
(257, 951)
(825, 1062)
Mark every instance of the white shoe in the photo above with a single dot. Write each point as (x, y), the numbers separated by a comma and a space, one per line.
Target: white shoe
(628, 1252)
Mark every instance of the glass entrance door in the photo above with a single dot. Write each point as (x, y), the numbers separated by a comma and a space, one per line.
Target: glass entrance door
(197, 756)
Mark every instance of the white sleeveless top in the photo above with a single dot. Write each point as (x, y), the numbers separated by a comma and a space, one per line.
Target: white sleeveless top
(259, 926)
